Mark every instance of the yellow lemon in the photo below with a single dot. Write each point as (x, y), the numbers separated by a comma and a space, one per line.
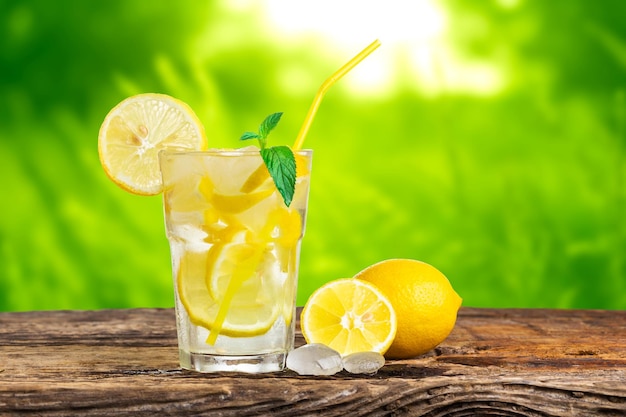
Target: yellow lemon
(424, 301)
(134, 132)
(349, 316)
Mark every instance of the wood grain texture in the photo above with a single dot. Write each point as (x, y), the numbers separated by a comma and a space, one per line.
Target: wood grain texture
(495, 363)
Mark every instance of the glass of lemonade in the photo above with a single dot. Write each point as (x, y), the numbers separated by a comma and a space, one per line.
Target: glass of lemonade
(235, 250)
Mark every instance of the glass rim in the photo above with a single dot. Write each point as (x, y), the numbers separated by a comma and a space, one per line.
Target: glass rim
(223, 152)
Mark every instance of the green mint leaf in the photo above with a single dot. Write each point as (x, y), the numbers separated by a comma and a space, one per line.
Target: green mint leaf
(269, 123)
(249, 135)
(281, 164)
(279, 160)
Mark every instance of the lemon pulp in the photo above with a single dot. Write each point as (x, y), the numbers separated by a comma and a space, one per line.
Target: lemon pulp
(350, 316)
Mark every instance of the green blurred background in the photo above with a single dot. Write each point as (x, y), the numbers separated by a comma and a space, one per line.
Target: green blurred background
(484, 137)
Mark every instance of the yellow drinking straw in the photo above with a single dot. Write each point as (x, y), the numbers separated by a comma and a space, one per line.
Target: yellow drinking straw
(325, 86)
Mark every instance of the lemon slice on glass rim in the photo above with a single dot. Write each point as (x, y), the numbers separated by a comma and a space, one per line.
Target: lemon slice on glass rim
(133, 133)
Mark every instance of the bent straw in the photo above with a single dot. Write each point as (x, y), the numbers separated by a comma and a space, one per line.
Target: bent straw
(325, 86)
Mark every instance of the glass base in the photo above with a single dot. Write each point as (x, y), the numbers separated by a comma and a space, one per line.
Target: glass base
(202, 362)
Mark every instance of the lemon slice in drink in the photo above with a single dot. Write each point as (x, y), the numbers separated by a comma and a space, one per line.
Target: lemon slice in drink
(246, 265)
(240, 202)
(134, 132)
(349, 315)
(231, 297)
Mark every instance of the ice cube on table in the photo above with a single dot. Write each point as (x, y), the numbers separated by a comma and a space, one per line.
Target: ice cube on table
(314, 359)
(363, 362)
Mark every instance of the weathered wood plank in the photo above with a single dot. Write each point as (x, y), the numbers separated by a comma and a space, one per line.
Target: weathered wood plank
(496, 362)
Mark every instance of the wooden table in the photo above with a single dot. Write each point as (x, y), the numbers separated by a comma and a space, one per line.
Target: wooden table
(496, 362)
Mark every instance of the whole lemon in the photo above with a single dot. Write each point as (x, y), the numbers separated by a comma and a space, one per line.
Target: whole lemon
(425, 303)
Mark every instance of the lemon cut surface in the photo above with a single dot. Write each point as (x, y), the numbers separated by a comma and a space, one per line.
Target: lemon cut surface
(133, 133)
(349, 316)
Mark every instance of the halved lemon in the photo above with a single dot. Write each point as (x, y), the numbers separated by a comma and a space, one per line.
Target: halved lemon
(134, 132)
(224, 289)
(349, 316)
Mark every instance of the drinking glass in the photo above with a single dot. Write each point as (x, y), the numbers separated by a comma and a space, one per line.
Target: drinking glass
(235, 249)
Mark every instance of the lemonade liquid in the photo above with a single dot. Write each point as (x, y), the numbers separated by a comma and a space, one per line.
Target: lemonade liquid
(235, 250)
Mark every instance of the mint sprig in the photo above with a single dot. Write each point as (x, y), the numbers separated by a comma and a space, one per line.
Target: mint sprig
(279, 160)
